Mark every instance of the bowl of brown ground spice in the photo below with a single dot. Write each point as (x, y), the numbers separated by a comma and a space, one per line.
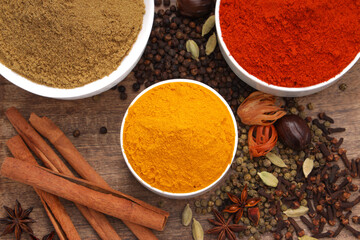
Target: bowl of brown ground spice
(73, 49)
(179, 138)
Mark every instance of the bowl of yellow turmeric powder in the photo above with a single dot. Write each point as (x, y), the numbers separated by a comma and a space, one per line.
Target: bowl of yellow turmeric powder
(179, 138)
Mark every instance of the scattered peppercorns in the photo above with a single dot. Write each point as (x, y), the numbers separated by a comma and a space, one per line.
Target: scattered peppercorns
(103, 130)
(165, 57)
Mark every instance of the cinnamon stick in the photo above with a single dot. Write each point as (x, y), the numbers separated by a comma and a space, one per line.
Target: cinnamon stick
(85, 193)
(53, 207)
(63, 144)
(38, 145)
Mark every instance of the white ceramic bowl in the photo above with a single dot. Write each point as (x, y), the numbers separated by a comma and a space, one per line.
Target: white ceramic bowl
(96, 87)
(263, 86)
(170, 194)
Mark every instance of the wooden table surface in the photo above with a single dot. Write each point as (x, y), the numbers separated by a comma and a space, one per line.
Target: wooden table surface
(104, 153)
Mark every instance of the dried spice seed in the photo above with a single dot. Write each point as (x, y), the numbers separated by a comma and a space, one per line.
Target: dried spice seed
(186, 215)
(76, 133)
(211, 44)
(343, 86)
(103, 130)
(121, 88)
(208, 25)
(308, 166)
(193, 48)
(269, 179)
(301, 211)
(197, 230)
(276, 160)
(123, 96)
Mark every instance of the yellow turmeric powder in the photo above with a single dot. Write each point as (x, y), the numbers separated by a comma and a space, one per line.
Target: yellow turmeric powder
(179, 137)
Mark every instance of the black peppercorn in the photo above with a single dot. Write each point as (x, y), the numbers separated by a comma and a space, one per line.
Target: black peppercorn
(121, 88)
(76, 133)
(166, 3)
(173, 8)
(123, 96)
(103, 130)
(136, 87)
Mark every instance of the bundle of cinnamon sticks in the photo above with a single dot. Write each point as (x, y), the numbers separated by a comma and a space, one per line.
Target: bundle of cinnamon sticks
(92, 195)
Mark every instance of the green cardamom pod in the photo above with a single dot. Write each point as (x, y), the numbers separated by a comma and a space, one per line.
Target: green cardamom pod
(269, 179)
(208, 25)
(305, 237)
(296, 212)
(193, 48)
(186, 215)
(211, 44)
(275, 159)
(308, 166)
(197, 230)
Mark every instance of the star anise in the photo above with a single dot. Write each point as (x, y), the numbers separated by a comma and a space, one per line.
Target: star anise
(50, 236)
(223, 227)
(17, 220)
(240, 204)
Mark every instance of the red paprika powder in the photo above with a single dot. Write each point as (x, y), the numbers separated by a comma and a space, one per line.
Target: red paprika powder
(292, 43)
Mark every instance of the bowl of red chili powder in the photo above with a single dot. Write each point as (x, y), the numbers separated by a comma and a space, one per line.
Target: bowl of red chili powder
(289, 48)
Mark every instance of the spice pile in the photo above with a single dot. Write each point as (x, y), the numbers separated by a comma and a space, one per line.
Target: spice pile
(287, 43)
(297, 183)
(179, 137)
(67, 44)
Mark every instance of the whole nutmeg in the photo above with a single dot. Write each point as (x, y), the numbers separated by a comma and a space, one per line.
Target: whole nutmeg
(194, 8)
(293, 132)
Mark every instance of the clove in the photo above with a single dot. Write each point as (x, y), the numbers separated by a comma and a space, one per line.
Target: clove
(336, 130)
(336, 145)
(317, 123)
(299, 231)
(346, 205)
(311, 211)
(353, 169)
(353, 231)
(356, 219)
(342, 225)
(325, 117)
(322, 225)
(327, 234)
(331, 216)
(342, 153)
(307, 222)
(346, 181)
(325, 151)
(268, 196)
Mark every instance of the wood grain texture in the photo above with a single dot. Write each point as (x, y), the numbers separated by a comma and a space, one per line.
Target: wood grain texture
(103, 151)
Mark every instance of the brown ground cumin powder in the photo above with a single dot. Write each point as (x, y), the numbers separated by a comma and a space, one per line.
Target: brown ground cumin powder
(67, 43)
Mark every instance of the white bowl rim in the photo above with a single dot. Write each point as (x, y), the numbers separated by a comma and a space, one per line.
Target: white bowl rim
(100, 85)
(170, 194)
(264, 84)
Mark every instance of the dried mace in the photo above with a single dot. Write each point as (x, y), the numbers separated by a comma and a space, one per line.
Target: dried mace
(293, 131)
